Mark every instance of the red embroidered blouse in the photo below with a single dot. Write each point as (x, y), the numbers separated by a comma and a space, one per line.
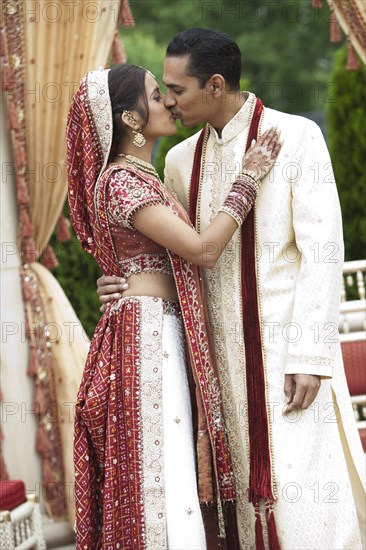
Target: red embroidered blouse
(127, 193)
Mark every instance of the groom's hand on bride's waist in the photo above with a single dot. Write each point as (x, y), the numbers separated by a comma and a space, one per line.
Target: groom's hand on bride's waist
(110, 288)
(300, 389)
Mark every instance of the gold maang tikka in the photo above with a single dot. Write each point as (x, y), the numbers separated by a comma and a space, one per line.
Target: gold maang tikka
(138, 138)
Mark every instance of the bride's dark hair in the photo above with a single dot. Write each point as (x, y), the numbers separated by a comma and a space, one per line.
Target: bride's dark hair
(126, 85)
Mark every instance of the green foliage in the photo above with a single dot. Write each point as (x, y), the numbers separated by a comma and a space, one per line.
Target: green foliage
(143, 49)
(77, 273)
(285, 45)
(346, 122)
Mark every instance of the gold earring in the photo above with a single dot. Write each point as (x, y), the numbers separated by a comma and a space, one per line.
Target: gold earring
(138, 138)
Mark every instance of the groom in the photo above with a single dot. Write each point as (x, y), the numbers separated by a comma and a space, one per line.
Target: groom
(273, 301)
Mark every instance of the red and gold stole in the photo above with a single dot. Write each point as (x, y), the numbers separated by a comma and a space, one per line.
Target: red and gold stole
(260, 477)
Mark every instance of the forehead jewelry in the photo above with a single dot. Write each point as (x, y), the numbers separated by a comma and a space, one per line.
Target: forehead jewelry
(147, 70)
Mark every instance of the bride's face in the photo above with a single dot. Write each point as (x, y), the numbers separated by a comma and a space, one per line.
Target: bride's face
(161, 120)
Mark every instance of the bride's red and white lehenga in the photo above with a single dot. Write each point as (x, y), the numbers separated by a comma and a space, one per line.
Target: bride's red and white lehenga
(152, 466)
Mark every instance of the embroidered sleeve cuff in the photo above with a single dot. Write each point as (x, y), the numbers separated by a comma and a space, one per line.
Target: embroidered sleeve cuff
(136, 207)
(310, 364)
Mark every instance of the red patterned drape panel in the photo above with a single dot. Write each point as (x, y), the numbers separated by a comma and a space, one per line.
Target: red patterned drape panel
(351, 17)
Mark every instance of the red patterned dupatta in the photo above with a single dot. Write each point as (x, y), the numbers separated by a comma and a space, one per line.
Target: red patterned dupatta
(107, 448)
(260, 475)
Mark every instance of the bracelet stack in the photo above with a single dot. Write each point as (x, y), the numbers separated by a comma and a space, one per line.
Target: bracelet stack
(252, 175)
(241, 197)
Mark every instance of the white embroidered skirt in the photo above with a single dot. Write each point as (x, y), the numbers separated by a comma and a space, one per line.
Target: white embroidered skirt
(172, 511)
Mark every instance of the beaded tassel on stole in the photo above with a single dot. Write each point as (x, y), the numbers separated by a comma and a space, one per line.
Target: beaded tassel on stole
(271, 528)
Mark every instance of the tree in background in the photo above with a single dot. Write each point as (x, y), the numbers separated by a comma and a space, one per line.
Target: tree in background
(285, 44)
(346, 124)
(77, 273)
(144, 50)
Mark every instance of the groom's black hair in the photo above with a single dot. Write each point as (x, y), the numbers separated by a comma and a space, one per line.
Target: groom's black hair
(209, 52)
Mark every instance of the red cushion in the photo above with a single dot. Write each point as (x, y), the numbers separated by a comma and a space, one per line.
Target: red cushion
(362, 432)
(12, 494)
(354, 357)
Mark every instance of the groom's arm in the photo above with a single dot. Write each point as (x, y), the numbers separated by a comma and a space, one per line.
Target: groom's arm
(110, 288)
(318, 232)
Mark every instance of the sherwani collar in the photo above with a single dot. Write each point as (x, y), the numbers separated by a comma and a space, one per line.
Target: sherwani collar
(237, 124)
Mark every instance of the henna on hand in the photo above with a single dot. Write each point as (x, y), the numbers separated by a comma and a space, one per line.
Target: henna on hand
(262, 155)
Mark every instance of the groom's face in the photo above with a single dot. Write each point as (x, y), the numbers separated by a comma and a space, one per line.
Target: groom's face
(184, 96)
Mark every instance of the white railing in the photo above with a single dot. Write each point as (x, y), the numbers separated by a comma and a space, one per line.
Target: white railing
(354, 272)
(353, 310)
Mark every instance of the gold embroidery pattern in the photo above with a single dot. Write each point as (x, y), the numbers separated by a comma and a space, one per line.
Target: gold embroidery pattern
(127, 195)
(100, 105)
(146, 263)
(221, 284)
(152, 422)
(311, 360)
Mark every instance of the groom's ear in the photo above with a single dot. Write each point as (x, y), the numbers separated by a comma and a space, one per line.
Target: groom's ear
(216, 85)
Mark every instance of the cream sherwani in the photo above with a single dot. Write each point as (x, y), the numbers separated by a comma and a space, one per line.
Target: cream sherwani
(299, 255)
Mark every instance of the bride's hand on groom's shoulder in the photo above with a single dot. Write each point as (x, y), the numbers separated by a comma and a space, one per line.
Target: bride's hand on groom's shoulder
(262, 154)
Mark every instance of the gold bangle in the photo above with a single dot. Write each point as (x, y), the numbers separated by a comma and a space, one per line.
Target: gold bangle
(252, 175)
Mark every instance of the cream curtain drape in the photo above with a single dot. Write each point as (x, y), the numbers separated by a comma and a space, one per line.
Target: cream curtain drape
(63, 40)
(69, 347)
(46, 48)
